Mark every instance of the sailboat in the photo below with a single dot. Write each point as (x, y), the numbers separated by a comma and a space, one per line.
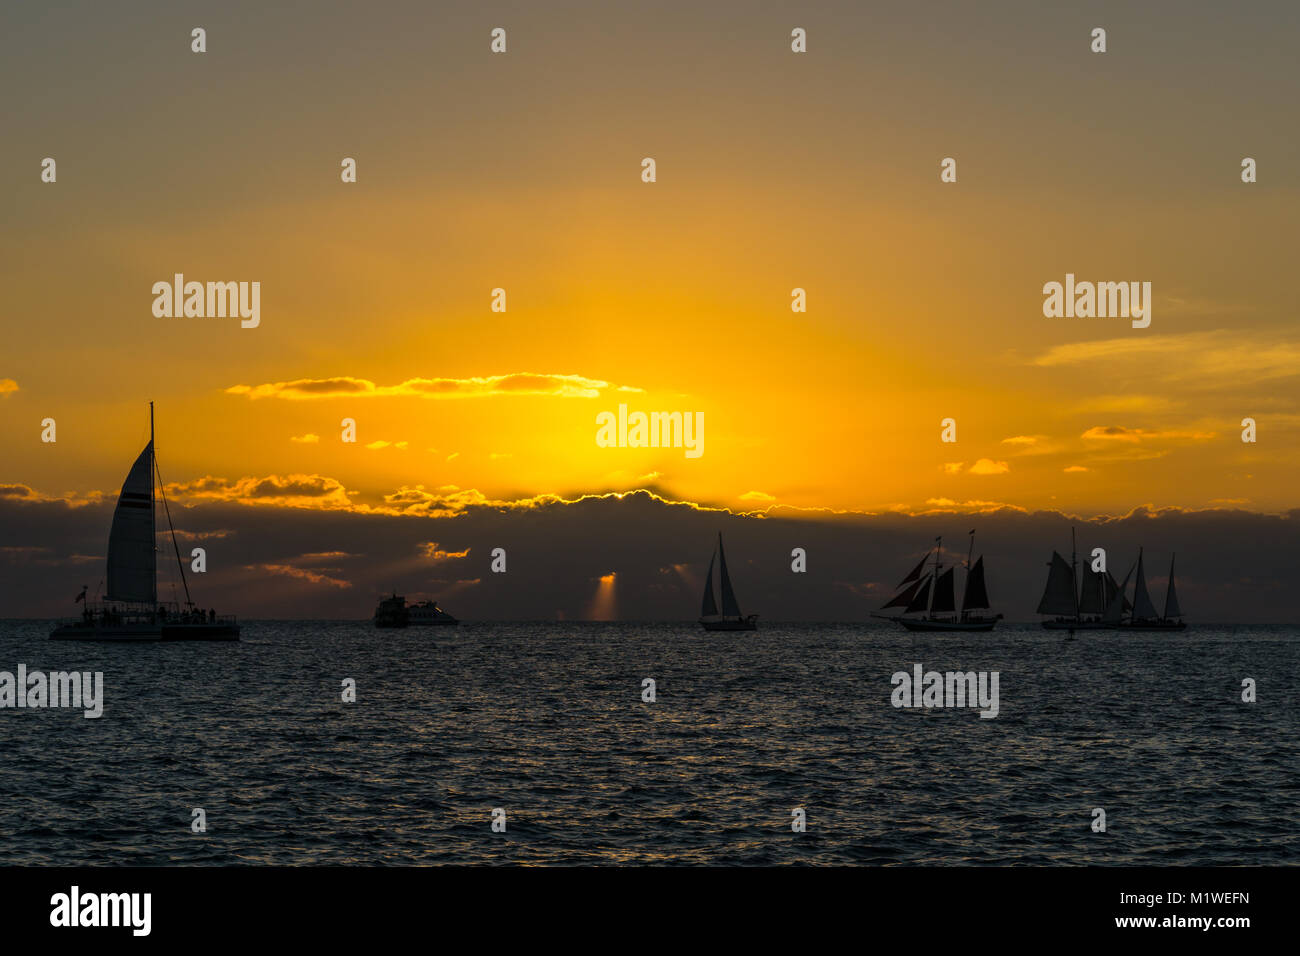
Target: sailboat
(131, 610)
(1071, 600)
(1144, 617)
(941, 610)
(730, 619)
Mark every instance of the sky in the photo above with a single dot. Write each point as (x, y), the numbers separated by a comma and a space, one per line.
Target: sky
(522, 171)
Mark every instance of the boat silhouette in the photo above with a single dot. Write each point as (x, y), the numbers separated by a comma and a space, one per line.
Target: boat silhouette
(938, 604)
(730, 619)
(131, 610)
(1077, 605)
(395, 612)
(1144, 616)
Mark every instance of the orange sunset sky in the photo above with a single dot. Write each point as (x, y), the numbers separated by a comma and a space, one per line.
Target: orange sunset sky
(775, 171)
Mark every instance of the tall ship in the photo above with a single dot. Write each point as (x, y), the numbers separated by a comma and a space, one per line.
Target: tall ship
(1077, 605)
(130, 609)
(1144, 616)
(731, 618)
(393, 611)
(931, 593)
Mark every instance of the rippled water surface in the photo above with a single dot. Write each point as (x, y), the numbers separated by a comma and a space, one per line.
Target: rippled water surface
(547, 722)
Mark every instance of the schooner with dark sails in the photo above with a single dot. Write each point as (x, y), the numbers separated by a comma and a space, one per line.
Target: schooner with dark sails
(1077, 605)
(932, 593)
(730, 619)
(131, 610)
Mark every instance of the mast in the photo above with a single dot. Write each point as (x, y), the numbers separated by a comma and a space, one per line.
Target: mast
(167, 509)
(970, 556)
(730, 606)
(1074, 573)
(938, 547)
(153, 507)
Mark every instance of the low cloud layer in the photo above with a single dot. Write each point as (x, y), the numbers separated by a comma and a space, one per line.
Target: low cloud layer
(518, 383)
(292, 562)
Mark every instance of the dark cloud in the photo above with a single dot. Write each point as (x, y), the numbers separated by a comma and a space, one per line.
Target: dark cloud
(1233, 566)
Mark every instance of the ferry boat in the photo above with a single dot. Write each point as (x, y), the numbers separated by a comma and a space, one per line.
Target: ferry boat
(131, 611)
(428, 612)
(393, 611)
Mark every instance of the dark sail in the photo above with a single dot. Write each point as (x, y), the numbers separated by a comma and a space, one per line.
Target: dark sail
(730, 608)
(1093, 593)
(710, 607)
(944, 598)
(976, 595)
(916, 573)
(1172, 609)
(922, 598)
(904, 598)
(1143, 609)
(1112, 587)
(1058, 596)
(1118, 603)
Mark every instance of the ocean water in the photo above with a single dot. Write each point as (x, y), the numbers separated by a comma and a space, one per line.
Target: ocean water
(546, 722)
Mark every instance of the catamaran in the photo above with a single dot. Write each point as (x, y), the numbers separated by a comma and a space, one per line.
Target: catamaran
(1078, 606)
(730, 619)
(131, 611)
(1144, 617)
(941, 609)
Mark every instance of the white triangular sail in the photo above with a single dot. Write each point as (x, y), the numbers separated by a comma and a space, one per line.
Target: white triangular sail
(132, 561)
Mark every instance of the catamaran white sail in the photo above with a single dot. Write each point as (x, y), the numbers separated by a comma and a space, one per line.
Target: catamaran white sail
(131, 610)
(730, 619)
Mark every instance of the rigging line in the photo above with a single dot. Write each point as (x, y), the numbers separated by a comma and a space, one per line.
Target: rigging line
(175, 547)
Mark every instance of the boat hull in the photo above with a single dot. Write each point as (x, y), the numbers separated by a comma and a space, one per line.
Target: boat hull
(1076, 625)
(923, 625)
(1153, 626)
(146, 632)
(200, 632)
(743, 624)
